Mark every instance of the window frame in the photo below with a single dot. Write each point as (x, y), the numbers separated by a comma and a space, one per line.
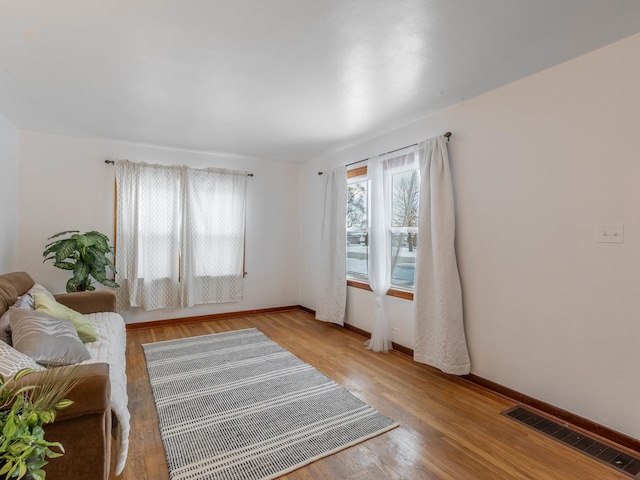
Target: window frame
(393, 291)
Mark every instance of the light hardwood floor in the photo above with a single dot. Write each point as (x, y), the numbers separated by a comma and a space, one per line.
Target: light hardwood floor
(449, 429)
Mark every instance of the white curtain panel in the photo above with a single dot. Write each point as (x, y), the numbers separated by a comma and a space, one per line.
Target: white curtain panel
(379, 253)
(148, 235)
(180, 235)
(440, 339)
(213, 242)
(332, 301)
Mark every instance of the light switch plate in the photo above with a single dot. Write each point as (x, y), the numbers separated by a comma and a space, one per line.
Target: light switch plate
(610, 233)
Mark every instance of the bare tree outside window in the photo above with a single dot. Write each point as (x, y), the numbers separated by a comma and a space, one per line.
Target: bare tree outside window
(358, 230)
(404, 227)
(357, 205)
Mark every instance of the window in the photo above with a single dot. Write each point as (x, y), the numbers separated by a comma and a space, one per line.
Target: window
(358, 229)
(180, 235)
(402, 177)
(403, 231)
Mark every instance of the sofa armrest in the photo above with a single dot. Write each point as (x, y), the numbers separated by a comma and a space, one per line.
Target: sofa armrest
(84, 428)
(89, 302)
(90, 395)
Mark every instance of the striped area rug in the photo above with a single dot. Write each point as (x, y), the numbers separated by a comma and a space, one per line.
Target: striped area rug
(236, 405)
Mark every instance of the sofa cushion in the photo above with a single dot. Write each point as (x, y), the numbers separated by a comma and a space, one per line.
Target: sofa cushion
(12, 285)
(12, 361)
(48, 340)
(5, 328)
(89, 302)
(110, 348)
(25, 301)
(48, 305)
(8, 295)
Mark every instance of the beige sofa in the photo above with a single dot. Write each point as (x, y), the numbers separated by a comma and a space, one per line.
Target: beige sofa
(86, 428)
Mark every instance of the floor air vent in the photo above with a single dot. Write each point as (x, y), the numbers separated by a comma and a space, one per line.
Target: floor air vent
(617, 459)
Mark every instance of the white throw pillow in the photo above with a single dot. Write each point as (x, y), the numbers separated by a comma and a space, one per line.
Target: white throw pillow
(37, 288)
(25, 301)
(12, 361)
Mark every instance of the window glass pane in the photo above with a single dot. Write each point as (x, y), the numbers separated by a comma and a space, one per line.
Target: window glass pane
(358, 255)
(403, 259)
(405, 197)
(357, 230)
(357, 205)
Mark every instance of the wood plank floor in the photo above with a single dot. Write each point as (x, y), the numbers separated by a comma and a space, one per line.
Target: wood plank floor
(449, 429)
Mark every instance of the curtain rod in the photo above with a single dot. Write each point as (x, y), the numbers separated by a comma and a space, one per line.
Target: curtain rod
(448, 135)
(111, 162)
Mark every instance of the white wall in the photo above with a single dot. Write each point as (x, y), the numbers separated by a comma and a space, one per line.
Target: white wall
(536, 165)
(65, 185)
(8, 194)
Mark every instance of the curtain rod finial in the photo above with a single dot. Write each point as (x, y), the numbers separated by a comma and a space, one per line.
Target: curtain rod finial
(320, 173)
(109, 162)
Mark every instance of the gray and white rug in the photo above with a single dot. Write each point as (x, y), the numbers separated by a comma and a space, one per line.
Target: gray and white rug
(236, 405)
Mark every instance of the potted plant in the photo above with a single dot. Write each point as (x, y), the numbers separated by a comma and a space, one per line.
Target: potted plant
(23, 412)
(86, 254)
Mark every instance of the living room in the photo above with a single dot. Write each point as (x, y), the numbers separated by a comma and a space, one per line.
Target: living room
(539, 162)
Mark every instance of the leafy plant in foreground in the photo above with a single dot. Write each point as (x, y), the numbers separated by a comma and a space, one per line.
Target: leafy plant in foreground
(23, 412)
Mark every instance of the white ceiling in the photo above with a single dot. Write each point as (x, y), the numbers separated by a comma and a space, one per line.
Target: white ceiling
(279, 79)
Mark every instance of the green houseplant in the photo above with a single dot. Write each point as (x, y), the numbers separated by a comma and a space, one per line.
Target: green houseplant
(23, 412)
(86, 254)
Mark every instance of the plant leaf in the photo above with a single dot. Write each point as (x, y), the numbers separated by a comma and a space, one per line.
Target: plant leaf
(50, 248)
(37, 464)
(100, 241)
(110, 264)
(64, 265)
(20, 448)
(10, 428)
(46, 417)
(32, 419)
(72, 286)
(95, 257)
(22, 373)
(64, 404)
(65, 249)
(101, 277)
(80, 272)
(38, 474)
(63, 233)
(52, 454)
(110, 283)
(99, 273)
(82, 240)
(6, 467)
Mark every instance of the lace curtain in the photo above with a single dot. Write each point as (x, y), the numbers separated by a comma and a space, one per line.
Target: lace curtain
(213, 236)
(381, 260)
(180, 235)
